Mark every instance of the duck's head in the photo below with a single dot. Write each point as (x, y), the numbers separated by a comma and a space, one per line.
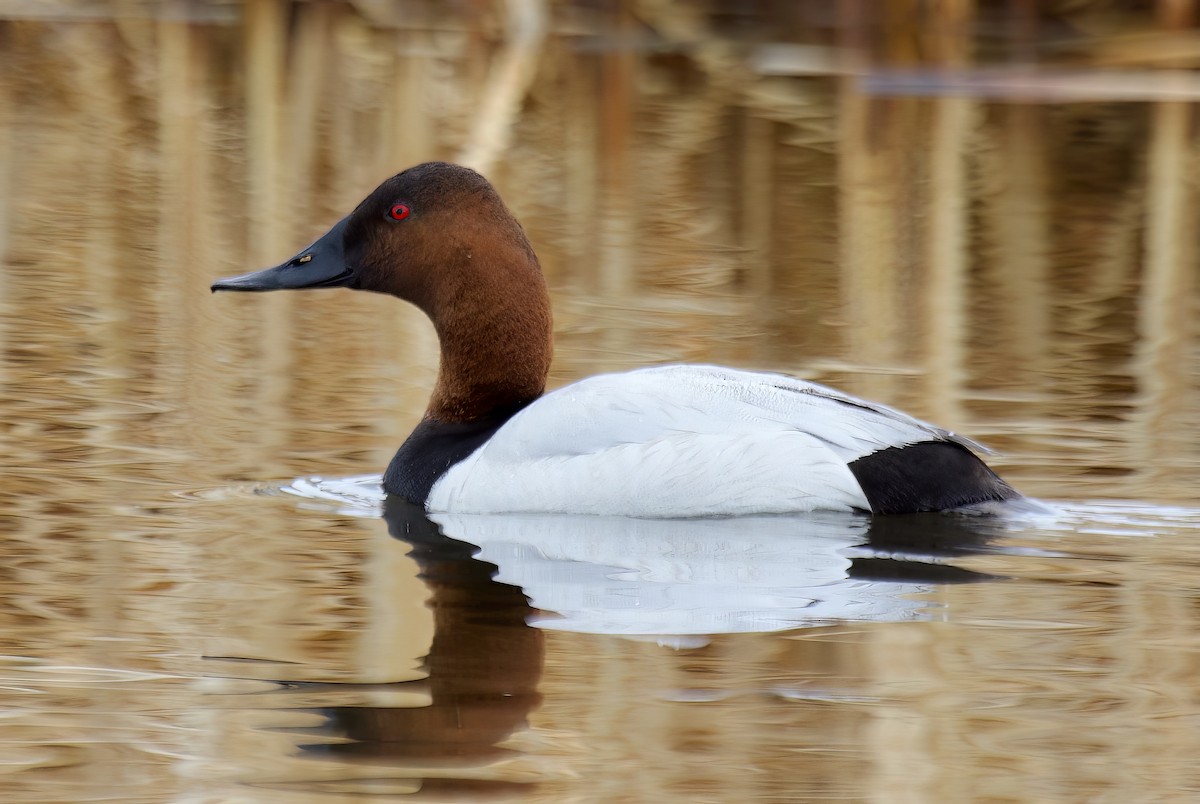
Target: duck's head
(421, 235)
(439, 236)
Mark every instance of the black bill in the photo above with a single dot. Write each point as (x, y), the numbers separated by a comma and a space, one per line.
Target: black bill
(321, 265)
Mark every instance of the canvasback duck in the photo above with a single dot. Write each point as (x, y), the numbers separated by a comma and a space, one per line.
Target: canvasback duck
(666, 441)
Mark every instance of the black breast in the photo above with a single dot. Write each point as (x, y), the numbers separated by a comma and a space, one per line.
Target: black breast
(928, 476)
(430, 451)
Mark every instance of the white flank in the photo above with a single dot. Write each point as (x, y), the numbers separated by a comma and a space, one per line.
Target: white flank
(675, 441)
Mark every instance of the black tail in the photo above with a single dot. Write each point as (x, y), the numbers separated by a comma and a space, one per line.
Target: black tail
(927, 476)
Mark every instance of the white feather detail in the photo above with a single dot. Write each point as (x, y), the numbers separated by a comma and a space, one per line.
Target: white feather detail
(744, 471)
(680, 440)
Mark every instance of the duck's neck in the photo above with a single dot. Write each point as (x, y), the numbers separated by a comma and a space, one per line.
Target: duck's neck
(495, 332)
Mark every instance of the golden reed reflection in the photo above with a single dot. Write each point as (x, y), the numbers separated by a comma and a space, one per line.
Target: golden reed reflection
(983, 212)
(1021, 271)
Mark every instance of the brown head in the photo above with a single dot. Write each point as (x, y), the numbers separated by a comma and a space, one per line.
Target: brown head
(439, 236)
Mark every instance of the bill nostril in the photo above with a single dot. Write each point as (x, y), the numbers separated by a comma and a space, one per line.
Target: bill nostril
(302, 260)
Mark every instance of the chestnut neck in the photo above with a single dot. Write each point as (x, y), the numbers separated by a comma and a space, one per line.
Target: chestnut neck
(493, 321)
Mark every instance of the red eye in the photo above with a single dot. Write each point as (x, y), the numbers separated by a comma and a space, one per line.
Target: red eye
(399, 212)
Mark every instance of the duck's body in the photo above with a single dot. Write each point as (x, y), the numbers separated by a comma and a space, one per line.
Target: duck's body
(660, 442)
(680, 440)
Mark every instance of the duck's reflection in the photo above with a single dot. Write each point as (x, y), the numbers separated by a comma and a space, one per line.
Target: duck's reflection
(616, 575)
(493, 578)
(483, 666)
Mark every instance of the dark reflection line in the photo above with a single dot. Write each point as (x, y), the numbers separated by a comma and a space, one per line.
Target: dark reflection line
(413, 788)
(924, 541)
(246, 659)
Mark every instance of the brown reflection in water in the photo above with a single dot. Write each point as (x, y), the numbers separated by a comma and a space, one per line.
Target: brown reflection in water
(484, 664)
(446, 730)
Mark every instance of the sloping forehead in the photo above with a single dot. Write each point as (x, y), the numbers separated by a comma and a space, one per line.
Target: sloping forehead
(433, 182)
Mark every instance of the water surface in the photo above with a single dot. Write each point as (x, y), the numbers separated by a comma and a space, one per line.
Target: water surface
(204, 598)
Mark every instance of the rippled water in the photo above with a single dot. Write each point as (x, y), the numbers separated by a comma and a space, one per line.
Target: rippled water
(288, 644)
(191, 614)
